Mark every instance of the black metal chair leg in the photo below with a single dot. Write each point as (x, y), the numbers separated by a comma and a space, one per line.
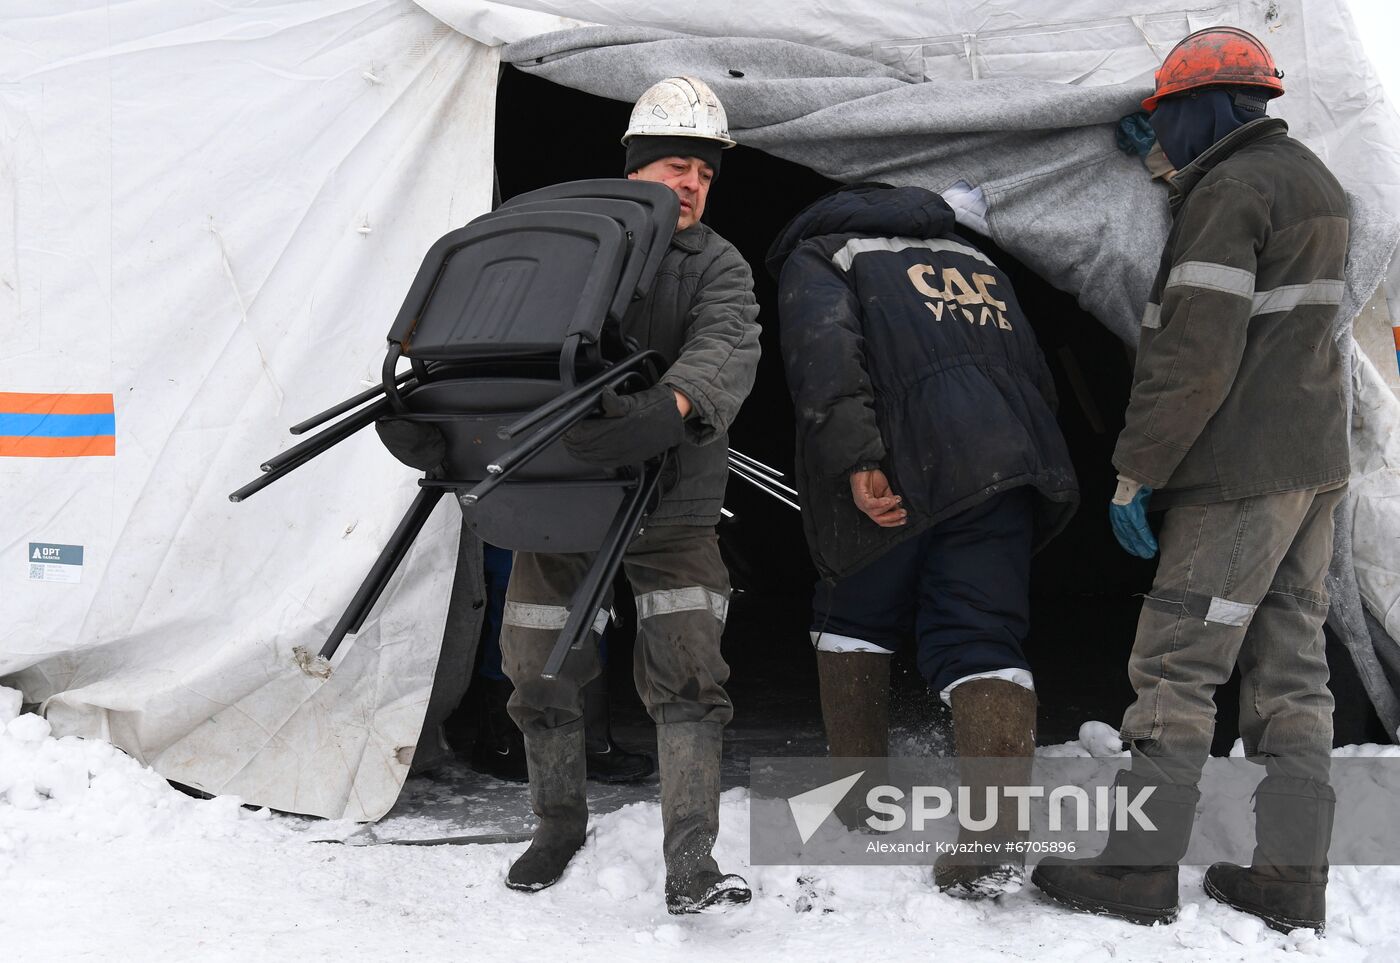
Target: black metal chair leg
(584, 606)
(284, 463)
(315, 421)
(329, 437)
(383, 568)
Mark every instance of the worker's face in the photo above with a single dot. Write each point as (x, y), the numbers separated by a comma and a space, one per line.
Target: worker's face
(689, 177)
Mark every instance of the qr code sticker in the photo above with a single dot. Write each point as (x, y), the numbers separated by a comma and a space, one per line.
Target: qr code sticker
(36, 572)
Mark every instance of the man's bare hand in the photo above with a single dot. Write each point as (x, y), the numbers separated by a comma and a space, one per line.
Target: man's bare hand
(870, 490)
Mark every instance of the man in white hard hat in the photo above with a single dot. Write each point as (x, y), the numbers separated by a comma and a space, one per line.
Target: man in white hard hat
(675, 137)
(701, 315)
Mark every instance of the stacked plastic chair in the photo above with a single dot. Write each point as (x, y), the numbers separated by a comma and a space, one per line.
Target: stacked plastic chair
(512, 329)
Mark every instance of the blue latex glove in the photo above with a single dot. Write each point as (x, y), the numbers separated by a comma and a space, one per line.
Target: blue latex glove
(1130, 525)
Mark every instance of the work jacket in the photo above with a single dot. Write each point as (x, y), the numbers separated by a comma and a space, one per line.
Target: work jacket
(905, 349)
(1238, 389)
(701, 314)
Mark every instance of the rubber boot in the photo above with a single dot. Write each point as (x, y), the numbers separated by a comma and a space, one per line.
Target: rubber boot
(499, 748)
(690, 759)
(994, 731)
(855, 695)
(1286, 884)
(607, 761)
(1135, 877)
(557, 795)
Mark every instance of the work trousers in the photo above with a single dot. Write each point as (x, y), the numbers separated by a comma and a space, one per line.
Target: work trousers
(682, 593)
(1238, 581)
(961, 589)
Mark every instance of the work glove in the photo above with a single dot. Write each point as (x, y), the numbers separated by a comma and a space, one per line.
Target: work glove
(632, 428)
(1127, 513)
(1135, 135)
(414, 443)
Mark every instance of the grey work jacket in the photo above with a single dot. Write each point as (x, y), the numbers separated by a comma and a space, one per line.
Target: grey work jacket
(1238, 385)
(702, 316)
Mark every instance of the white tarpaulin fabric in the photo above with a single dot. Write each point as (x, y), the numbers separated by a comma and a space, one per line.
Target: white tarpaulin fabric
(217, 211)
(213, 213)
(1375, 494)
(1335, 101)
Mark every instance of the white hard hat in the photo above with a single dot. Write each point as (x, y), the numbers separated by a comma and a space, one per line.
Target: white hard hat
(679, 107)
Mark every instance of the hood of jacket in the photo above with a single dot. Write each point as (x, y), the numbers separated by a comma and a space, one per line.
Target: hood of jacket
(875, 210)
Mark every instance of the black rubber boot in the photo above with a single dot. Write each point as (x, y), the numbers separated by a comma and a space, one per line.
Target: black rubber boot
(1135, 877)
(855, 693)
(499, 748)
(690, 760)
(607, 761)
(1286, 885)
(994, 729)
(557, 796)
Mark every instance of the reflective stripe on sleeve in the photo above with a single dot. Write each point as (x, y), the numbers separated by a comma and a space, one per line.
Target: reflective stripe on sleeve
(1212, 277)
(1152, 316)
(693, 598)
(1288, 297)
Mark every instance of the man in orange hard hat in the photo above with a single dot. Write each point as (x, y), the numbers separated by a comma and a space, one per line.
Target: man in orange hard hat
(1237, 427)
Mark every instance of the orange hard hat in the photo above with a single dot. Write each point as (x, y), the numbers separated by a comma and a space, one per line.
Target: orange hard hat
(1215, 57)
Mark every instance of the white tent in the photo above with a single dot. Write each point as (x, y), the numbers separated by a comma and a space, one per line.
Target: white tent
(212, 215)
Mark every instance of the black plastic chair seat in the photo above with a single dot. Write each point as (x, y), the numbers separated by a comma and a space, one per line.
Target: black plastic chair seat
(555, 503)
(469, 412)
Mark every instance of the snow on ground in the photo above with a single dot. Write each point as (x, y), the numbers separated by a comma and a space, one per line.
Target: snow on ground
(101, 859)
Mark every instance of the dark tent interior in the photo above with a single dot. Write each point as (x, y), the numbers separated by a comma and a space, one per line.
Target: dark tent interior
(1086, 591)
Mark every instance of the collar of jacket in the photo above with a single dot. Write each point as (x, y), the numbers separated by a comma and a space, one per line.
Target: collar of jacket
(1253, 131)
(692, 239)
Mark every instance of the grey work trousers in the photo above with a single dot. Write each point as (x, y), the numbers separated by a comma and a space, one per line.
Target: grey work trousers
(1238, 581)
(682, 592)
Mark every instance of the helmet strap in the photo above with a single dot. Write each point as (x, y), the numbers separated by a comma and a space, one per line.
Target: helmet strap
(1246, 100)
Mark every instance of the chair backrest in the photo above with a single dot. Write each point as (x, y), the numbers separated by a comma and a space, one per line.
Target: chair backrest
(504, 317)
(637, 223)
(659, 199)
(516, 284)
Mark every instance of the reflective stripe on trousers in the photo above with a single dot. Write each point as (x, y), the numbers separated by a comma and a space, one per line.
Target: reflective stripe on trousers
(692, 598)
(528, 615)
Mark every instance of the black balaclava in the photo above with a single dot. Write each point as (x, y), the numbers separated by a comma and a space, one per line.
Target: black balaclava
(644, 149)
(1187, 125)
